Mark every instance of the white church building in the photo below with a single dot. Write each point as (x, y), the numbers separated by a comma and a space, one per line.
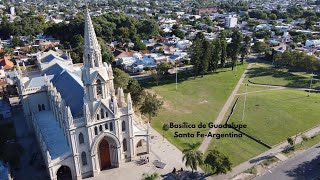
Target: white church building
(81, 124)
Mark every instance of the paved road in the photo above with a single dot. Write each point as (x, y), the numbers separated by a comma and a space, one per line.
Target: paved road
(305, 166)
(205, 143)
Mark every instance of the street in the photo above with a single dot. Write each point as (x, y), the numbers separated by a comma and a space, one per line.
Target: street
(305, 166)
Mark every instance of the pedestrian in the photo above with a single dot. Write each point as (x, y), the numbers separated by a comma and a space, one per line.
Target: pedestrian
(181, 169)
(174, 170)
(147, 159)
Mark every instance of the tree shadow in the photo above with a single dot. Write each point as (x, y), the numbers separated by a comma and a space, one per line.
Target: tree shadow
(306, 170)
(171, 78)
(185, 175)
(255, 160)
(294, 80)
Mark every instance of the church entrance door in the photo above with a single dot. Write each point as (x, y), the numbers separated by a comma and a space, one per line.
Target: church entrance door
(104, 152)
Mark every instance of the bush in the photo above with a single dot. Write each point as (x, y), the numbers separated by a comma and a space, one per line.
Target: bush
(304, 138)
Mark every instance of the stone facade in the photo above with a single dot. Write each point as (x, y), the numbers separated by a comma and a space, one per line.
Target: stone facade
(100, 134)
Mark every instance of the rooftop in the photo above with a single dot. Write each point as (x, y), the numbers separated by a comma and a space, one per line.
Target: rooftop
(52, 134)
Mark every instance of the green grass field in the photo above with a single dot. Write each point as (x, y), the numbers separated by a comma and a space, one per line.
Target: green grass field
(271, 116)
(196, 100)
(266, 74)
(237, 149)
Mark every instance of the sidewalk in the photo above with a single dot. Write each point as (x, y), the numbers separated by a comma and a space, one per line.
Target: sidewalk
(205, 143)
(256, 160)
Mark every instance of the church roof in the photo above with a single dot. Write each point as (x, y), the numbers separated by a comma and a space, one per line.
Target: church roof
(37, 82)
(70, 86)
(52, 134)
(55, 69)
(50, 58)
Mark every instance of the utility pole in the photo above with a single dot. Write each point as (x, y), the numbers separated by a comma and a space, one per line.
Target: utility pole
(176, 77)
(310, 83)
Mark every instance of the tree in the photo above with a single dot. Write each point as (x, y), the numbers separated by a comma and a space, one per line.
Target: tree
(197, 53)
(121, 79)
(138, 45)
(235, 46)
(260, 47)
(245, 47)
(16, 41)
(165, 128)
(178, 33)
(223, 47)
(216, 53)
(273, 16)
(290, 141)
(8, 51)
(218, 162)
(153, 176)
(163, 68)
(151, 105)
(135, 90)
(192, 156)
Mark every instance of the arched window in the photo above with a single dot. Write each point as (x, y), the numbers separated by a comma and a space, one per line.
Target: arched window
(124, 145)
(84, 158)
(98, 117)
(123, 126)
(39, 107)
(100, 128)
(102, 113)
(88, 57)
(111, 126)
(107, 114)
(99, 88)
(81, 139)
(106, 126)
(43, 108)
(95, 130)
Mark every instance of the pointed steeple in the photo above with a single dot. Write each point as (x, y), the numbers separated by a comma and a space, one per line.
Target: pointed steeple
(92, 50)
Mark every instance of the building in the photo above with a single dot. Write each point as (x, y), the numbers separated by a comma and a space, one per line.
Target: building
(312, 43)
(5, 63)
(82, 126)
(231, 22)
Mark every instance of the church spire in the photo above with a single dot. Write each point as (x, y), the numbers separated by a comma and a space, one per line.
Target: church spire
(92, 50)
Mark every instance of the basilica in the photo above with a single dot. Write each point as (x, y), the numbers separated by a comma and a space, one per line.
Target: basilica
(82, 124)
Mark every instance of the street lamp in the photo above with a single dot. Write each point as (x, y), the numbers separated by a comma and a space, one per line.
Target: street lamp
(310, 83)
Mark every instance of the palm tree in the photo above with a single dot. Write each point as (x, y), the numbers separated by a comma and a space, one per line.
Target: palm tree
(192, 156)
(153, 176)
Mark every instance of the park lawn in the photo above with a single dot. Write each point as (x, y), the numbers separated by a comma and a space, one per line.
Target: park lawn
(237, 149)
(252, 88)
(273, 116)
(266, 74)
(196, 100)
